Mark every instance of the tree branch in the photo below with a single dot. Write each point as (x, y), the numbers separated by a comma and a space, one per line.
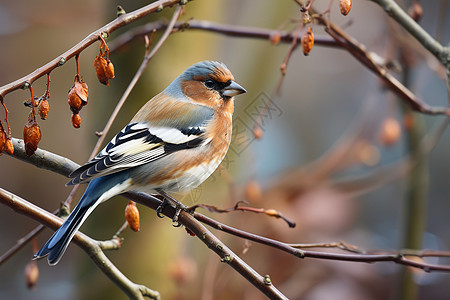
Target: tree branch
(369, 256)
(421, 35)
(119, 22)
(341, 39)
(224, 29)
(90, 246)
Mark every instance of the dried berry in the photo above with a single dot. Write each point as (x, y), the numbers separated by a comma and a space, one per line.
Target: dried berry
(78, 95)
(31, 136)
(275, 37)
(257, 132)
(104, 69)
(132, 216)
(253, 192)
(345, 6)
(390, 132)
(31, 274)
(76, 120)
(183, 270)
(9, 147)
(307, 41)
(43, 109)
(415, 11)
(109, 70)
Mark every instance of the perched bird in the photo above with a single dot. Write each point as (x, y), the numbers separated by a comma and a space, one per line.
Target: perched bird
(173, 143)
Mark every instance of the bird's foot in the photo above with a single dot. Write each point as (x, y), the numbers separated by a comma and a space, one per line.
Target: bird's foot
(169, 200)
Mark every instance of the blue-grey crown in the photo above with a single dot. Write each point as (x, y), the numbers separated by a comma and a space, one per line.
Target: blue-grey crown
(203, 68)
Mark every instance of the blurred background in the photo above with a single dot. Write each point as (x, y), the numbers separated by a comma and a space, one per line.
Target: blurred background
(331, 157)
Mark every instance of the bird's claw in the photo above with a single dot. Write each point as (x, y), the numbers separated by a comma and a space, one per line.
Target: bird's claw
(160, 208)
(178, 208)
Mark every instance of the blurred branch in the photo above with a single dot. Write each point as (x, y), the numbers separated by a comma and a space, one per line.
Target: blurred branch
(420, 34)
(341, 39)
(369, 59)
(224, 29)
(119, 22)
(366, 58)
(90, 246)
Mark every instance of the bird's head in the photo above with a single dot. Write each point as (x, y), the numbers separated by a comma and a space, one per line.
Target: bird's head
(208, 83)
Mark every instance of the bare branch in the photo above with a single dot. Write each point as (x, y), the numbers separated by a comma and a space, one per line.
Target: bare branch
(92, 247)
(225, 29)
(119, 22)
(421, 35)
(263, 283)
(367, 256)
(342, 39)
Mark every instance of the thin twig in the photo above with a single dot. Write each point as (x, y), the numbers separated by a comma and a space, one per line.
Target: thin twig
(367, 256)
(238, 207)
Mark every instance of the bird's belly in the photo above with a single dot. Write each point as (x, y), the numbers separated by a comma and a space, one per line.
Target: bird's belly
(191, 178)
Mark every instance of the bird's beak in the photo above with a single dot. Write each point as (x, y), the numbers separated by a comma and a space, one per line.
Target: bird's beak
(233, 89)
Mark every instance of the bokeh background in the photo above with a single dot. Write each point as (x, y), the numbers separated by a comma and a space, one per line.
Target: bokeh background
(328, 101)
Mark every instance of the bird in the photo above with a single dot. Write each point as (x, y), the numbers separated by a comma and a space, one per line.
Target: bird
(172, 144)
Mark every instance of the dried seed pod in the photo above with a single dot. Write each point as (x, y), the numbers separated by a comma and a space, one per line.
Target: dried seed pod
(9, 147)
(183, 270)
(76, 120)
(275, 37)
(345, 6)
(31, 136)
(408, 121)
(31, 274)
(415, 11)
(367, 153)
(43, 109)
(109, 70)
(104, 69)
(257, 132)
(307, 41)
(2, 138)
(78, 95)
(132, 216)
(390, 132)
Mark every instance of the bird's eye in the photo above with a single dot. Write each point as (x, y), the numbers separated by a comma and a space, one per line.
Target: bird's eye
(209, 83)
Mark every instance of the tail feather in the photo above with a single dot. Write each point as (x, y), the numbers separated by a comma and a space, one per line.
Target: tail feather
(99, 190)
(58, 243)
